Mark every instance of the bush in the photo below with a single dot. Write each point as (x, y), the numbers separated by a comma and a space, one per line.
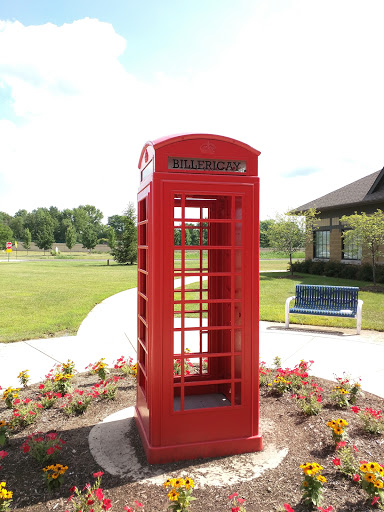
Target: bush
(338, 269)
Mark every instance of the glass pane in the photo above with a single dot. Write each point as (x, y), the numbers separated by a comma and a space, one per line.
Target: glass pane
(206, 398)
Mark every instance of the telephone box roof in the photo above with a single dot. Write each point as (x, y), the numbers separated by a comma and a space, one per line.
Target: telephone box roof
(171, 139)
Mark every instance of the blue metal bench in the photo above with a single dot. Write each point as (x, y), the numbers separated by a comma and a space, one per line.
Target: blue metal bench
(326, 301)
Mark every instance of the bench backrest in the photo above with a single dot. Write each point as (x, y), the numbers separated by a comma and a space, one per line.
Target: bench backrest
(327, 297)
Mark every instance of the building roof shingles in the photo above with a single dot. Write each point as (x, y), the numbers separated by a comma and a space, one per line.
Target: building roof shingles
(369, 189)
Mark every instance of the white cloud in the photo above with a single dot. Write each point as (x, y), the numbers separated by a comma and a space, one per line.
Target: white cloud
(300, 81)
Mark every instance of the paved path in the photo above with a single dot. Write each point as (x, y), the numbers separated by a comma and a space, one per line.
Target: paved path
(110, 331)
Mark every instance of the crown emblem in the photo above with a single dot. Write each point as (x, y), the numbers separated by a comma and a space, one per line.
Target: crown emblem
(208, 148)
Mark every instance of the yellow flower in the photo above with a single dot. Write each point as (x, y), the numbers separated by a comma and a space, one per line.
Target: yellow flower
(331, 424)
(311, 468)
(338, 431)
(305, 483)
(173, 495)
(342, 422)
(321, 478)
(370, 477)
(364, 468)
(189, 483)
(378, 484)
(179, 482)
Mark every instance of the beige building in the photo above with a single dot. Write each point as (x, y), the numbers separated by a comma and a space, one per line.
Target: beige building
(364, 195)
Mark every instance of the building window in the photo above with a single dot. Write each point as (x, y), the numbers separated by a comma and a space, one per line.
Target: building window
(351, 249)
(321, 244)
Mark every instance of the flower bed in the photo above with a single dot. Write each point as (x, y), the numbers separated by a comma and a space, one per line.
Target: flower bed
(345, 483)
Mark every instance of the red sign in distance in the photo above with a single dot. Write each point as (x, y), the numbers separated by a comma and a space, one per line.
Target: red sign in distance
(9, 245)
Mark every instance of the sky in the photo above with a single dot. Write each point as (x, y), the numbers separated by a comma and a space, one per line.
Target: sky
(85, 83)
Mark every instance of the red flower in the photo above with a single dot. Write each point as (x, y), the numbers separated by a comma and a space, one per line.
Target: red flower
(232, 496)
(355, 409)
(41, 386)
(16, 401)
(3, 454)
(329, 509)
(288, 507)
(356, 477)
(241, 500)
(354, 447)
(106, 504)
(341, 444)
(336, 461)
(235, 509)
(99, 494)
(375, 500)
(50, 450)
(138, 504)
(26, 448)
(128, 509)
(51, 436)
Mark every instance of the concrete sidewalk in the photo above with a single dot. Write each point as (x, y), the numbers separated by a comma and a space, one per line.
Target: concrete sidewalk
(110, 331)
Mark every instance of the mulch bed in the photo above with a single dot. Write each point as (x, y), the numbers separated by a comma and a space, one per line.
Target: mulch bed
(307, 439)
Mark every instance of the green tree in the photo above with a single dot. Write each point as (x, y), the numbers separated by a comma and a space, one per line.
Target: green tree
(111, 238)
(264, 226)
(117, 222)
(44, 227)
(89, 237)
(368, 231)
(70, 237)
(17, 226)
(56, 219)
(87, 216)
(27, 239)
(5, 218)
(6, 235)
(126, 246)
(177, 236)
(291, 232)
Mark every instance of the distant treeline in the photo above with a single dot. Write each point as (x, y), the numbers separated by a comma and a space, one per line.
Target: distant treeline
(46, 226)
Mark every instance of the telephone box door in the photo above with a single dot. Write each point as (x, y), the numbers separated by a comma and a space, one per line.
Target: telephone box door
(208, 313)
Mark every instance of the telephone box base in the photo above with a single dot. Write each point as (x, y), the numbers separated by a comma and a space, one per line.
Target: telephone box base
(188, 451)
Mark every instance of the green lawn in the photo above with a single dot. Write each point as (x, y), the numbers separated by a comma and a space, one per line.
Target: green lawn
(270, 254)
(67, 255)
(40, 299)
(275, 288)
(266, 265)
(51, 298)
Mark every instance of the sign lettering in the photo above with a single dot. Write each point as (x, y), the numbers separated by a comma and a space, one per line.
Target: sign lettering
(197, 164)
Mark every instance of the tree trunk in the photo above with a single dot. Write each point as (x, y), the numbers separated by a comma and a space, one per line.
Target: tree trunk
(374, 269)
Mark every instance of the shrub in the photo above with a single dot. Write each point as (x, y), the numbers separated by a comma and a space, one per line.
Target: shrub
(42, 447)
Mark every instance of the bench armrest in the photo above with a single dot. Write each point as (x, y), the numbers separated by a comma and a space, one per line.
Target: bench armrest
(287, 310)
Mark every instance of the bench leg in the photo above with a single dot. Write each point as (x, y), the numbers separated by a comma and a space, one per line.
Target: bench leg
(359, 315)
(287, 314)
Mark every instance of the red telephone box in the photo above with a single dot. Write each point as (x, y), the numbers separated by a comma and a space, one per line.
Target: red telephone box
(198, 275)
